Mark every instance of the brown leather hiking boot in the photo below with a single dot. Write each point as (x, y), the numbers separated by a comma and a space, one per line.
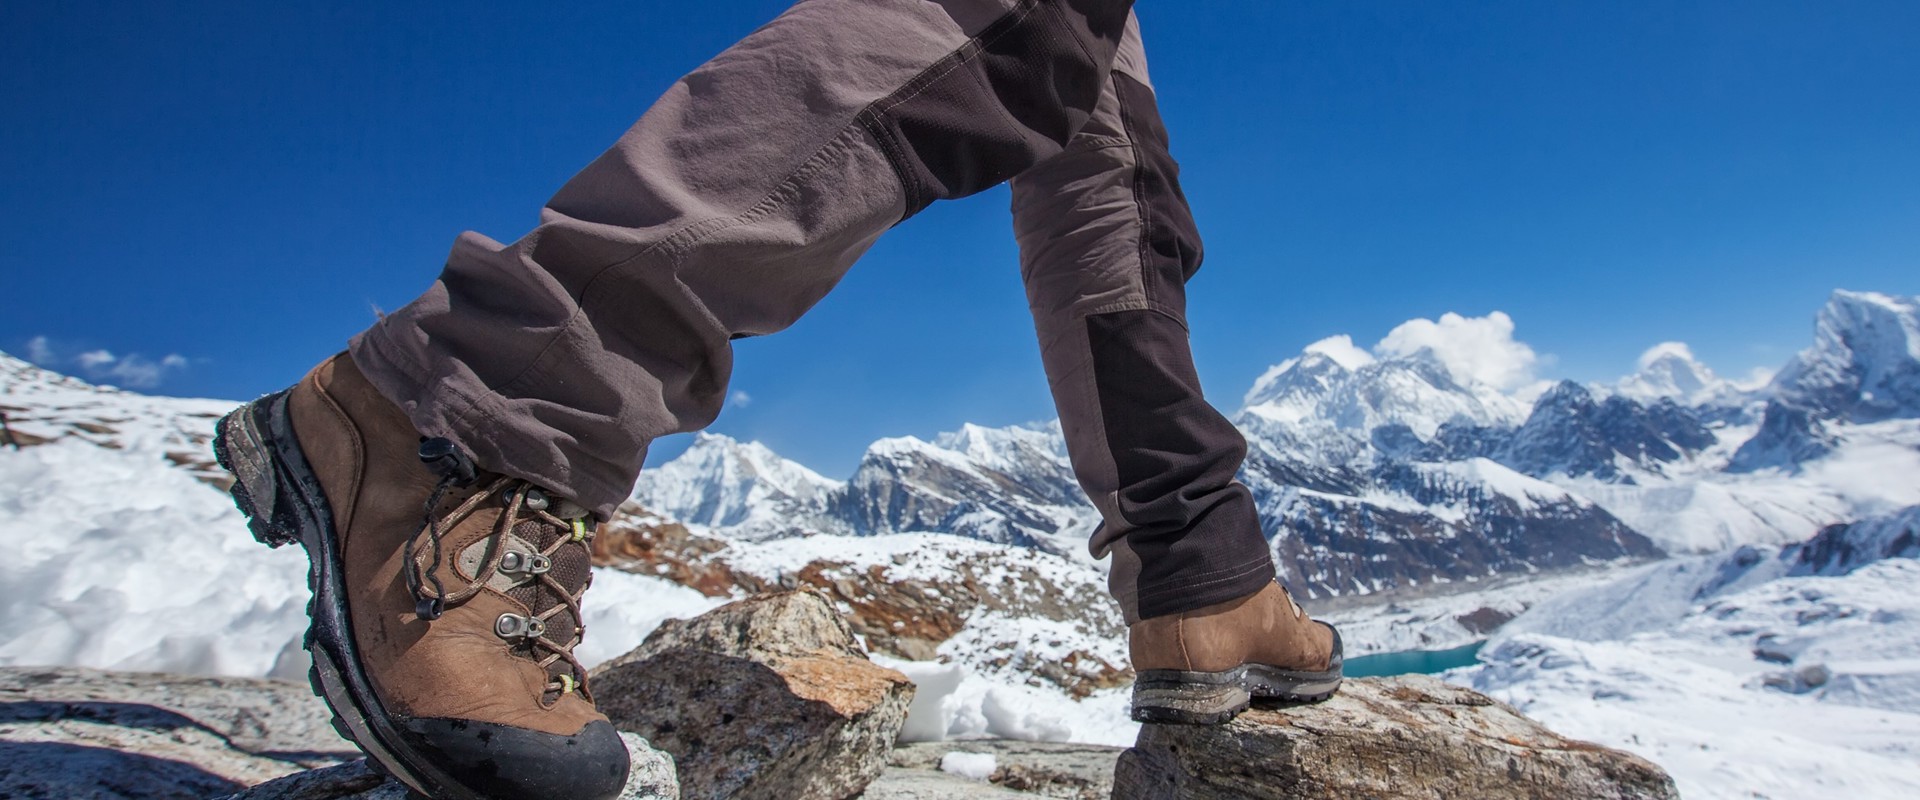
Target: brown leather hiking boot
(1205, 666)
(446, 600)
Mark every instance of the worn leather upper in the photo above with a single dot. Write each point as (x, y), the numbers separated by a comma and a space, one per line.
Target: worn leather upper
(1262, 628)
(364, 452)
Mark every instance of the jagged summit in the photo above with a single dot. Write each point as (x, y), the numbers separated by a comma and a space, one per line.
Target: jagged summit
(1863, 367)
(1864, 364)
(720, 481)
(1573, 432)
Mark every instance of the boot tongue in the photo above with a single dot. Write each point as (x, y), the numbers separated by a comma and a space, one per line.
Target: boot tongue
(571, 571)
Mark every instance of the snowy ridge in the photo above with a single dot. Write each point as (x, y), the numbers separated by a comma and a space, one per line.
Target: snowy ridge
(1841, 549)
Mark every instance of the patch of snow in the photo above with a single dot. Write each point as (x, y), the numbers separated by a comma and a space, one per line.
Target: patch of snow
(978, 706)
(116, 561)
(975, 766)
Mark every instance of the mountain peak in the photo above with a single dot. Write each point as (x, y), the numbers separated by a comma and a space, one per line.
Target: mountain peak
(1670, 370)
(1864, 364)
(722, 481)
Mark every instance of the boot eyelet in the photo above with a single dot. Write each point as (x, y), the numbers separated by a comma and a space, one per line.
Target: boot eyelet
(514, 626)
(515, 562)
(537, 500)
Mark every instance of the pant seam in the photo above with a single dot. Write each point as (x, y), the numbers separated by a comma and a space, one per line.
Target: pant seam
(874, 113)
(1115, 307)
(1139, 188)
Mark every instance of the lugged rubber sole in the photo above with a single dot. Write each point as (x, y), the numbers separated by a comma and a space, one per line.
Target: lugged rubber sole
(276, 490)
(1210, 698)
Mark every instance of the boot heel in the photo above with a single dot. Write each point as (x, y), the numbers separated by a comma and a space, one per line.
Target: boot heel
(1189, 698)
(242, 446)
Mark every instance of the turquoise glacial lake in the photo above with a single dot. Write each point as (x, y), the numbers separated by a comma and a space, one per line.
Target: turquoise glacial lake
(1408, 662)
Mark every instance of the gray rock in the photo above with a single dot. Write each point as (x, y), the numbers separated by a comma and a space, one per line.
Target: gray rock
(651, 778)
(278, 719)
(901, 783)
(80, 734)
(1404, 737)
(763, 698)
(84, 734)
(1048, 769)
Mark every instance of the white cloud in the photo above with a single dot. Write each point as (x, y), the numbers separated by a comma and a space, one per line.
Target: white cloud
(137, 372)
(133, 371)
(1474, 349)
(95, 359)
(1662, 350)
(741, 399)
(1756, 378)
(39, 350)
(1342, 350)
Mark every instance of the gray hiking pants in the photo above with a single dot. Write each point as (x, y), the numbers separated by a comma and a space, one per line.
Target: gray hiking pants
(746, 192)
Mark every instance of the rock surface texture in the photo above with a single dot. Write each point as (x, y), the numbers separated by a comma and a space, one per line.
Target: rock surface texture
(1404, 737)
(651, 778)
(80, 734)
(1020, 769)
(767, 697)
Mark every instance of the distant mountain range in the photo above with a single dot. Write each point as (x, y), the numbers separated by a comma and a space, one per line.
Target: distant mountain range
(1381, 471)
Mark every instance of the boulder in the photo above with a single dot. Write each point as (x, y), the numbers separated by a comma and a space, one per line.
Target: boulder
(768, 697)
(1402, 737)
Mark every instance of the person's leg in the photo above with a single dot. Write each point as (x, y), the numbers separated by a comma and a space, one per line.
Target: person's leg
(1107, 243)
(448, 572)
(728, 210)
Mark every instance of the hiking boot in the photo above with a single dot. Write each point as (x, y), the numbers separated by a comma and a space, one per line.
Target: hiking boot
(1205, 666)
(446, 599)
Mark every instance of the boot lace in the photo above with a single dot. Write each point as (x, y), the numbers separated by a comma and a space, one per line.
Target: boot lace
(544, 576)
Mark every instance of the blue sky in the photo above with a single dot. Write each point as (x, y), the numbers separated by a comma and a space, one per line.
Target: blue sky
(240, 186)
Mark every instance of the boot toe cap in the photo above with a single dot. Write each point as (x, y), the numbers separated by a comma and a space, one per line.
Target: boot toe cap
(1337, 659)
(509, 763)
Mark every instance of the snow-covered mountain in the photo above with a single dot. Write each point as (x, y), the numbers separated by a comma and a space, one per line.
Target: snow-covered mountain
(740, 486)
(1405, 464)
(1863, 367)
(1669, 371)
(1003, 485)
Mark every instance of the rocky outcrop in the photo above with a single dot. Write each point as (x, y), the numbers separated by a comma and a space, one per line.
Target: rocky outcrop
(1405, 737)
(767, 697)
(80, 734)
(651, 778)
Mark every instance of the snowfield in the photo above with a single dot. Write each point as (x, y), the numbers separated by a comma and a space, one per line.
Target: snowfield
(1738, 679)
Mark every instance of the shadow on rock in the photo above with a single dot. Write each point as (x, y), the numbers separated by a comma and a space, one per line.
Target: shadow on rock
(66, 771)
